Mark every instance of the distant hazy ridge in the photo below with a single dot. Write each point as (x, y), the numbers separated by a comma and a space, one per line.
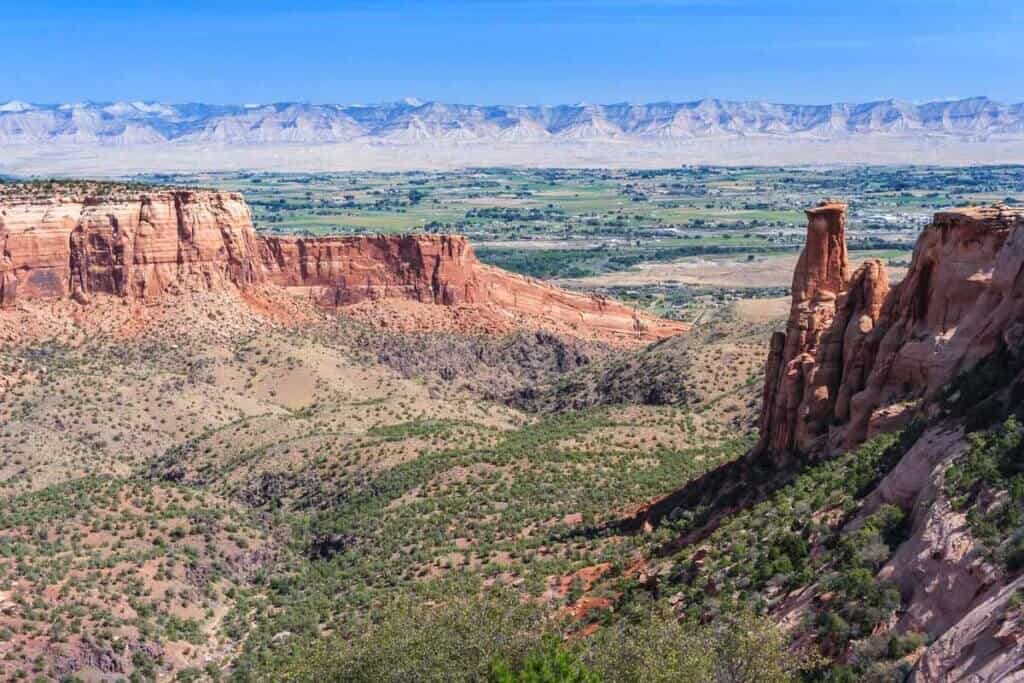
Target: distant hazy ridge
(415, 134)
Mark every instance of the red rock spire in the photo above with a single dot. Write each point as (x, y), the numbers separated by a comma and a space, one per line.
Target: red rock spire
(857, 357)
(830, 314)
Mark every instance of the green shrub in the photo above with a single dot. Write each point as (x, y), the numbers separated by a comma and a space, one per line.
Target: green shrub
(993, 465)
(901, 646)
(415, 641)
(551, 663)
(658, 648)
(1014, 556)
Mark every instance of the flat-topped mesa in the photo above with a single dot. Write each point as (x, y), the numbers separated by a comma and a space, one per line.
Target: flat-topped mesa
(444, 270)
(130, 247)
(846, 370)
(140, 244)
(140, 247)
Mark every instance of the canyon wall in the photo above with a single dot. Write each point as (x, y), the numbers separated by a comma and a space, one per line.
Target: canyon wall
(856, 354)
(133, 248)
(143, 246)
(437, 269)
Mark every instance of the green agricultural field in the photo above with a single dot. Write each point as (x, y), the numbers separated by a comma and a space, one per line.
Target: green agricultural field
(607, 204)
(574, 224)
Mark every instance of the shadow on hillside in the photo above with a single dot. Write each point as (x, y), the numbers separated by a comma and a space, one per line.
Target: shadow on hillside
(703, 503)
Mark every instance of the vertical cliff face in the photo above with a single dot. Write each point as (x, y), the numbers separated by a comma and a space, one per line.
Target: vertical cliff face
(8, 281)
(962, 300)
(830, 317)
(36, 249)
(855, 353)
(436, 269)
(141, 246)
(167, 240)
(137, 247)
(443, 270)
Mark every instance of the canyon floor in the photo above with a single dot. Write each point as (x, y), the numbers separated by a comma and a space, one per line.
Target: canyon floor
(166, 467)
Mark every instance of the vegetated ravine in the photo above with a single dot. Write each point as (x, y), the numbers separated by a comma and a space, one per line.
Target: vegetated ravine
(378, 459)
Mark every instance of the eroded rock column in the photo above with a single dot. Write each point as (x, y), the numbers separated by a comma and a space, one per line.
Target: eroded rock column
(818, 364)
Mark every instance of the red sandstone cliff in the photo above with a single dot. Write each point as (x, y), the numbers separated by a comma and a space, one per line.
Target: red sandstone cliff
(143, 246)
(436, 269)
(858, 358)
(131, 248)
(855, 354)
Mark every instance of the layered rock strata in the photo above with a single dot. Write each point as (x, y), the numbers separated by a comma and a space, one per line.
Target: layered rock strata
(856, 352)
(437, 269)
(135, 248)
(141, 247)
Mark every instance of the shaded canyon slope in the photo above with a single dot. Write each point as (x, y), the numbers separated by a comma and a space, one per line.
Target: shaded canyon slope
(941, 352)
(141, 246)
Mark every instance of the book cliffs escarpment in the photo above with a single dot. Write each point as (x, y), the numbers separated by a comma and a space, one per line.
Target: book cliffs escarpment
(412, 121)
(146, 245)
(857, 354)
(119, 138)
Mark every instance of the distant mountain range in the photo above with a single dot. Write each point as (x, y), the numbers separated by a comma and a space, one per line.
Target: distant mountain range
(125, 138)
(413, 122)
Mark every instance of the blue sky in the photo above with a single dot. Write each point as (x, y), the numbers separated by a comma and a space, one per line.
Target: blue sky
(511, 51)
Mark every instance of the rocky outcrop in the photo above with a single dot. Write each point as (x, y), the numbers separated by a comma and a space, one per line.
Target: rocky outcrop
(440, 269)
(962, 300)
(987, 644)
(590, 315)
(855, 354)
(142, 246)
(133, 248)
(830, 316)
(437, 269)
(36, 250)
(443, 270)
(856, 359)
